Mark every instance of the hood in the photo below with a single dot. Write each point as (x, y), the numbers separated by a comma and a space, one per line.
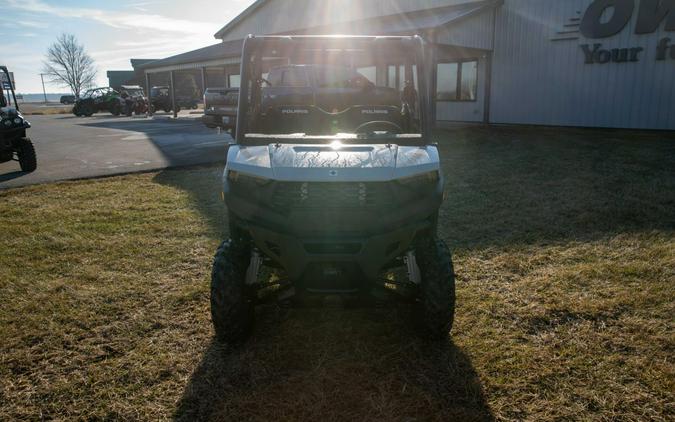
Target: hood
(9, 112)
(327, 163)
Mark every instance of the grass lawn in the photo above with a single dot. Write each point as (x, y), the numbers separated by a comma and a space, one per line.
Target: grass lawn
(564, 244)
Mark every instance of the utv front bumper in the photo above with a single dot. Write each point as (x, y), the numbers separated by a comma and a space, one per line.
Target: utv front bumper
(351, 226)
(366, 255)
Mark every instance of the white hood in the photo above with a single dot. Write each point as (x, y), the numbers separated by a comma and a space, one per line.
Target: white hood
(327, 163)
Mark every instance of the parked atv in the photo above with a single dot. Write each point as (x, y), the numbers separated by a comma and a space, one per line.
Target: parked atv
(333, 186)
(97, 100)
(14, 144)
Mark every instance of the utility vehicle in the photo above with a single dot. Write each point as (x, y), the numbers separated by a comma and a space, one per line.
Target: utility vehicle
(132, 101)
(160, 99)
(14, 144)
(334, 190)
(67, 99)
(96, 100)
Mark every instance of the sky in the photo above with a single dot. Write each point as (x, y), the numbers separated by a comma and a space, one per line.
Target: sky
(112, 32)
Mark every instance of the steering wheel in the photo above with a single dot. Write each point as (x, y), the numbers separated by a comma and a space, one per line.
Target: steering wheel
(379, 126)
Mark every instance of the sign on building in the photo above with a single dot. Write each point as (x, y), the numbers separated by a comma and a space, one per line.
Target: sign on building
(607, 18)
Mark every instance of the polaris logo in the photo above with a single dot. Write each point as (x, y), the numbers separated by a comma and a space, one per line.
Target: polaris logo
(294, 111)
(374, 111)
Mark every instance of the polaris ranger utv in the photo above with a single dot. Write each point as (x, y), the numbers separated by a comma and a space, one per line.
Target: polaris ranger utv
(333, 185)
(14, 144)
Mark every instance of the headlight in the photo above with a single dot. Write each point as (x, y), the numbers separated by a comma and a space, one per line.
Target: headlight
(245, 179)
(18, 120)
(420, 180)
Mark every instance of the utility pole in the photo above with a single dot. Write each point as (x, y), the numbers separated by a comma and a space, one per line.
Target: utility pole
(43, 86)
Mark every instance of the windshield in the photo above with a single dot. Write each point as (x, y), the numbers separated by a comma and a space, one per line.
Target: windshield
(159, 92)
(3, 102)
(325, 88)
(135, 92)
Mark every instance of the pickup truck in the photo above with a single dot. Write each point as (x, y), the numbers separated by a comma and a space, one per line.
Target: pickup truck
(220, 108)
(328, 87)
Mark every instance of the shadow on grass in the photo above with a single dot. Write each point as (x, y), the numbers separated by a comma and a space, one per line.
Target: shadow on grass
(204, 186)
(334, 364)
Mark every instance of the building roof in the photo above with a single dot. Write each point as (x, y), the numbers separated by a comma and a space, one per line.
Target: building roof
(213, 52)
(243, 15)
(410, 23)
(140, 62)
(120, 73)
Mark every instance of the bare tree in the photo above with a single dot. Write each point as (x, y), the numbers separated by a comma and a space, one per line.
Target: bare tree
(68, 64)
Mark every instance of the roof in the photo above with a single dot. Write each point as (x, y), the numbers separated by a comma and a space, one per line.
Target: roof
(243, 15)
(212, 52)
(411, 22)
(120, 73)
(140, 62)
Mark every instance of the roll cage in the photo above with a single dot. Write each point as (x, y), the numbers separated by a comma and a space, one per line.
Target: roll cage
(98, 92)
(3, 100)
(260, 52)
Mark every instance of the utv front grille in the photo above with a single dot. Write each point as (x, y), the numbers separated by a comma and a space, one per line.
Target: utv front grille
(313, 195)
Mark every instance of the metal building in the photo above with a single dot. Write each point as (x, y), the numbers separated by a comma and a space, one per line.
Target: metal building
(594, 63)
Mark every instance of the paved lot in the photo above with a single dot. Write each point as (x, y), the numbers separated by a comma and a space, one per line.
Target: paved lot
(70, 147)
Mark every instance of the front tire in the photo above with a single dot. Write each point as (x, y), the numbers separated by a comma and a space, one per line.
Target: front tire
(115, 110)
(26, 153)
(232, 302)
(435, 307)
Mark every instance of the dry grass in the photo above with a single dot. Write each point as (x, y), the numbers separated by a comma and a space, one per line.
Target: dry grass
(29, 109)
(565, 253)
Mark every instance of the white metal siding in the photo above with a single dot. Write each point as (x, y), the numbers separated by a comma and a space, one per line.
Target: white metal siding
(474, 32)
(287, 15)
(537, 81)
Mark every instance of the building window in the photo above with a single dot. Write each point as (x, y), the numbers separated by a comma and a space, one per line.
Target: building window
(468, 81)
(370, 72)
(294, 77)
(392, 80)
(235, 81)
(396, 77)
(457, 81)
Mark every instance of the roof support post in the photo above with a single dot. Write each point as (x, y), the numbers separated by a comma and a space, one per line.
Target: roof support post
(172, 83)
(203, 80)
(147, 92)
(488, 87)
